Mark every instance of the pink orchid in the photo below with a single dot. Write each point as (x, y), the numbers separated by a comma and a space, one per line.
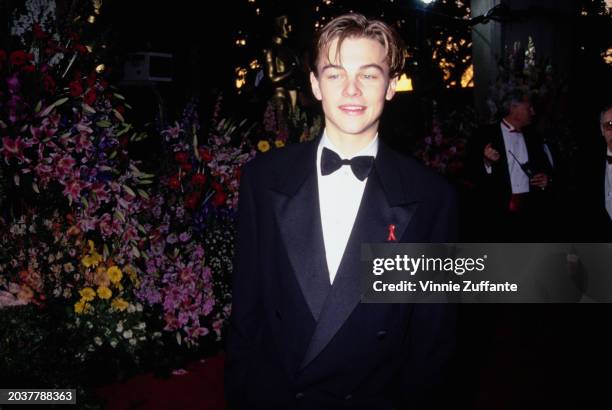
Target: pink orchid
(65, 165)
(14, 148)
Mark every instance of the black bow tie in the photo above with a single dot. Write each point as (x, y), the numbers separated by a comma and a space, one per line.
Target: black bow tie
(331, 162)
(609, 159)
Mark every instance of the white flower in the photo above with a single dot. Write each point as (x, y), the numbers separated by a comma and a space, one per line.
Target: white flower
(157, 335)
(113, 343)
(98, 341)
(133, 342)
(141, 325)
(128, 334)
(119, 327)
(131, 308)
(139, 307)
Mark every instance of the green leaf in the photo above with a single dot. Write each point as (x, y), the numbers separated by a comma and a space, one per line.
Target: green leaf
(128, 190)
(88, 108)
(104, 123)
(143, 194)
(118, 115)
(119, 96)
(135, 251)
(119, 215)
(47, 110)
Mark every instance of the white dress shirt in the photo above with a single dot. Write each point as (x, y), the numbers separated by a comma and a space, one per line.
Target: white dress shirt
(608, 188)
(514, 142)
(340, 195)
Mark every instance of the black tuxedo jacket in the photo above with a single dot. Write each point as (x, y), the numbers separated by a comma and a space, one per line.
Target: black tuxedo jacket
(495, 189)
(297, 342)
(594, 224)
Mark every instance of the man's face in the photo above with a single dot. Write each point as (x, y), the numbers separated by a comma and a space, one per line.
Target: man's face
(522, 113)
(353, 88)
(606, 127)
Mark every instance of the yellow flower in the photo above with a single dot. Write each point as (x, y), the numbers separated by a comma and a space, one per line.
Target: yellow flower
(92, 248)
(279, 143)
(87, 294)
(79, 307)
(119, 304)
(129, 269)
(263, 146)
(91, 260)
(104, 292)
(114, 274)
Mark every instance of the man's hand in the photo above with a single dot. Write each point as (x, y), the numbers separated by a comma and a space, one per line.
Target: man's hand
(540, 180)
(490, 155)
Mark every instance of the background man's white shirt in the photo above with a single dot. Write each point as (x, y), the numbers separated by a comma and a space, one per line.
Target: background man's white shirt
(515, 142)
(340, 195)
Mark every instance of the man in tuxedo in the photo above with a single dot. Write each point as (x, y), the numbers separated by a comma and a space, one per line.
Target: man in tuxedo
(595, 199)
(299, 336)
(511, 174)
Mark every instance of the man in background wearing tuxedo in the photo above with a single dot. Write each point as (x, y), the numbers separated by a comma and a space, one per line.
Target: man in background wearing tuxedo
(595, 199)
(511, 175)
(299, 336)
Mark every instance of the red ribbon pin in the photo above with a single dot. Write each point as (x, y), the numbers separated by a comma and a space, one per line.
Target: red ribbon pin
(391, 236)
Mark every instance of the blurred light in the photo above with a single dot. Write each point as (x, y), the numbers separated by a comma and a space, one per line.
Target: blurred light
(404, 84)
(467, 78)
(258, 11)
(89, 48)
(427, 1)
(241, 73)
(607, 56)
(100, 68)
(97, 4)
(254, 65)
(91, 19)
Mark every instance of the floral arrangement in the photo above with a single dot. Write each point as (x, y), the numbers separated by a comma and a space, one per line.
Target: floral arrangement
(191, 221)
(444, 148)
(74, 196)
(119, 259)
(298, 126)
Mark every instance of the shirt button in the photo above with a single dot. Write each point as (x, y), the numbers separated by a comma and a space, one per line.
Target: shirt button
(299, 396)
(348, 397)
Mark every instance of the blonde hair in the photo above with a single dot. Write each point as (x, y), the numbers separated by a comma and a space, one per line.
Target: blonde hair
(358, 26)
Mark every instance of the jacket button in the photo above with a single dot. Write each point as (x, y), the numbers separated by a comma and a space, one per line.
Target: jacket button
(348, 397)
(299, 396)
(278, 315)
(381, 335)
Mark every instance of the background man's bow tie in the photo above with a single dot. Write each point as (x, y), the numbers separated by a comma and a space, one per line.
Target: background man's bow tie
(331, 162)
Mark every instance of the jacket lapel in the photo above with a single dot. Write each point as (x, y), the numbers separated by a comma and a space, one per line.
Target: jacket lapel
(296, 205)
(384, 203)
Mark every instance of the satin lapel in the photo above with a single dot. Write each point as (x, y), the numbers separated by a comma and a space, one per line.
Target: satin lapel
(296, 205)
(383, 204)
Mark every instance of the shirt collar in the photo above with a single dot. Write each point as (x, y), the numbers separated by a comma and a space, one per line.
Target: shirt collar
(370, 150)
(508, 127)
